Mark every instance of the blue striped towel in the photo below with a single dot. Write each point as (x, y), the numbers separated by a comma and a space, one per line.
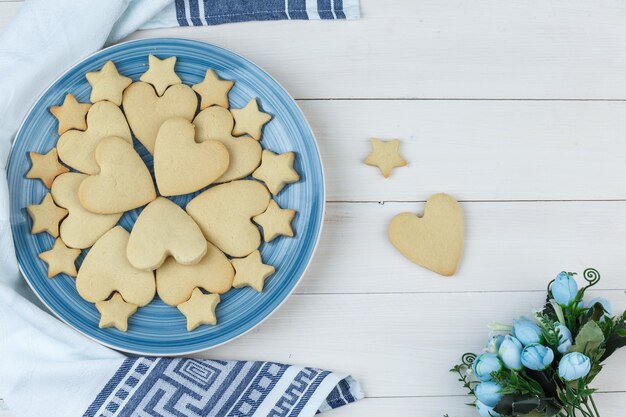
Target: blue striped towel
(47, 368)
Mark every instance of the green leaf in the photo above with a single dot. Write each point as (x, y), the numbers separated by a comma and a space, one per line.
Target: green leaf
(588, 339)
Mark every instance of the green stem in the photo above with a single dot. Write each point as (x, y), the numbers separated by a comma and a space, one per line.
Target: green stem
(593, 403)
(588, 409)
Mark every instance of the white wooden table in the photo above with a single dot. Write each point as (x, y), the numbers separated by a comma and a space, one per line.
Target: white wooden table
(517, 108)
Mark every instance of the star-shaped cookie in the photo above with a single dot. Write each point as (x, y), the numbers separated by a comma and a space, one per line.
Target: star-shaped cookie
(276, 171)
(107, 84)
(200, 309)
(115, 312)
(71, 114)
(213, 90)
(250, 120)
(60, 259)
(385, 155)
(251, 271)
(275, 221)
(46, 216)
(45, 167)
(161, 73)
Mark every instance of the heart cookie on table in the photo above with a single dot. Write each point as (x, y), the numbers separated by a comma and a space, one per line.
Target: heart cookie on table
(434, 240)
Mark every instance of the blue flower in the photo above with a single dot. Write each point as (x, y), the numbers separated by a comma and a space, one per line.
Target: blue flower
(606, 304)
(565, 339)
(493, 344)
(574, 366)
(485, 364)
(526, 331)
(488, 393)
(537, 357)
(564, 289)
(510, 352)
(485, 411)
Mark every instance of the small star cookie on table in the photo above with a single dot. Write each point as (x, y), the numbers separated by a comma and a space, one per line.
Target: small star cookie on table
(46, 216)
(251, 271)
(385, 155)
(60, 259)
(71, 114)
(161, 73)
(107, 84)
(276, 171)
(275, 221)
(213, 90)
(250, 120)
(115, 312)
(200, 309)
(46, 167)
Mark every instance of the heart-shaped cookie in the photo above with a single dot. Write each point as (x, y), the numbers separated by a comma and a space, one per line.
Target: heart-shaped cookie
(216, 123)
(146, 111)
(164, 229)
(433, 241)
(224, 214)
(81, 228)
(106, 269)
(77, 148)
(176, 282)
(182, 165)
(124, 182)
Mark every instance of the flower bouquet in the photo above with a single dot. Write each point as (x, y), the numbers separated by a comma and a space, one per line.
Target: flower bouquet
(544, 366)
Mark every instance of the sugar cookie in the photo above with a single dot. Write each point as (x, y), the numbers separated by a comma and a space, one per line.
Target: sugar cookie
(106, 269)
(385, 155)
(276, 171)
(251, 271)
(115, 312)
(175, 282)
(77, 148)
(146, 111)
(164, 229)
(46, 216)
(81, 228)
(434, 240)
(250, 120)
(124, 182)
(71, 114)
(107, 84)
(182, 165)
(161, 73)
(45, 167)
(223, 213)
(275, 221)
(216, 123)
(60, 259)
(213, 90)
(200, 309)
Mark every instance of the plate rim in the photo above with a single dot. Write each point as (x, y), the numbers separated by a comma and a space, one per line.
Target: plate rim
(317, 236)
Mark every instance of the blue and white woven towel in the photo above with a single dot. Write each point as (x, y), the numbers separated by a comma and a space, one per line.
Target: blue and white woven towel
(48, 369)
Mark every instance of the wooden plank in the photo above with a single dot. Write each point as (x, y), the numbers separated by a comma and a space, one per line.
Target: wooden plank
(610, 405)
(474, 150)
(394, 344)
(442, 49)
(508, 247)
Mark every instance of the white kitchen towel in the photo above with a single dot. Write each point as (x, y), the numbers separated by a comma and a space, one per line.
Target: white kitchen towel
(48, 369)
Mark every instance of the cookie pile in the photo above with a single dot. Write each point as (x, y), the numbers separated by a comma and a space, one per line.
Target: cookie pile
(188, 257)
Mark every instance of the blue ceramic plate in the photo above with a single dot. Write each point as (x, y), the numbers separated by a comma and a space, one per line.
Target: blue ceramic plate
(158, 329)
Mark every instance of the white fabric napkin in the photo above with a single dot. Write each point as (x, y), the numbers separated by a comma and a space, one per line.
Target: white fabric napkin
(47, 368)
